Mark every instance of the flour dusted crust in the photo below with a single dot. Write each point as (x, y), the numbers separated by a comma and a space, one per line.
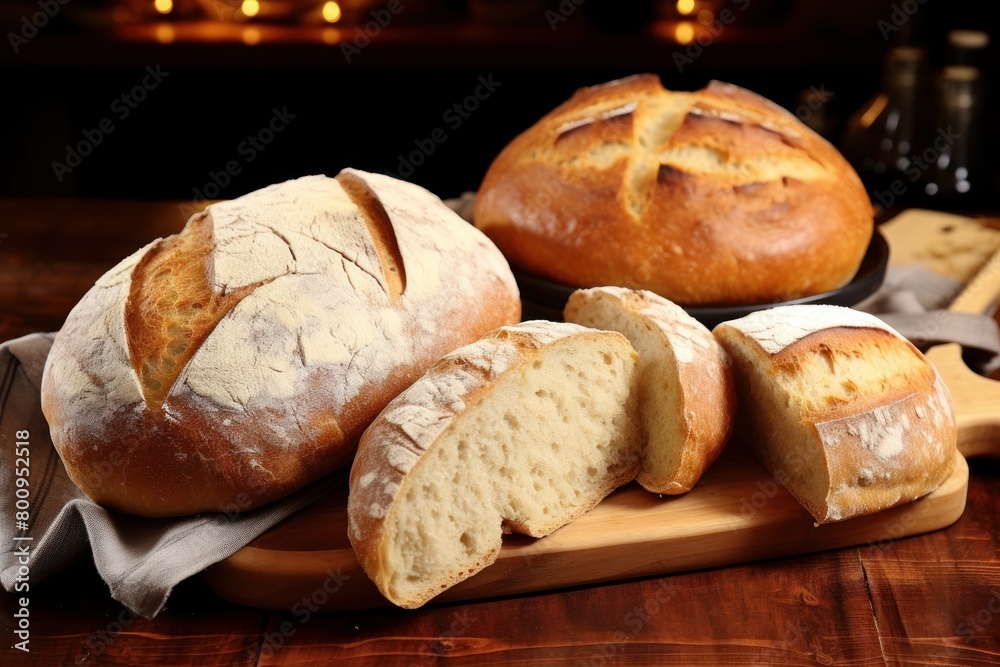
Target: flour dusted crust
(409, 430)
(775, 329)
(340, 293)
(891, 454)
(846, 413)
(686, 378)
(712, 197)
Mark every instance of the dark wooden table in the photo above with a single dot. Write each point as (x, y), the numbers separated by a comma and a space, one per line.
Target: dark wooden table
(932, 599)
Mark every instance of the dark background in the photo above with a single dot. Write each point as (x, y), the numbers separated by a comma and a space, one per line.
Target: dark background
(368, 112)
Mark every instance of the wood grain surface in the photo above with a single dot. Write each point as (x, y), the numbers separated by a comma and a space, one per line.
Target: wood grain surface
(930, 599)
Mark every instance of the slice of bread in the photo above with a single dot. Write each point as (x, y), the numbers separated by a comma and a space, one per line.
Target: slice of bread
(686, 395)
(522, 431)
(845, 413)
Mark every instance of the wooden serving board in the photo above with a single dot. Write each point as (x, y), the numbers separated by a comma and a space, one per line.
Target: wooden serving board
(966, 249)
(735, 514)
(977, 398)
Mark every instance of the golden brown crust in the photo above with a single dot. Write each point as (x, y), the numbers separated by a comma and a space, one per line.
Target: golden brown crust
(888, 455)
(839, 389)
(314, 335)
(713, 197)
(876, 345)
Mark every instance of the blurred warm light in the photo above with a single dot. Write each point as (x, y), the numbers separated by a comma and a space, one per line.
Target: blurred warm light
(165, 33)
(331, 12)
(331, 36)
(163, 6)
(684, 32)
(685, 6)
(705, 16)
(250, 8)
(251, 35)
(873, 111)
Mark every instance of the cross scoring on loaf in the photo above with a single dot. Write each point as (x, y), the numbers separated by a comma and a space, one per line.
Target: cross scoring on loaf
(665, 134)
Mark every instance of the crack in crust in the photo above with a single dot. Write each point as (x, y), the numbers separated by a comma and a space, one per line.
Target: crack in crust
(172, 308)
(381, 232)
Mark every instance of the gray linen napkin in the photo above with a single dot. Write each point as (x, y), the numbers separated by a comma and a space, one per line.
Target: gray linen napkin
(140, 559)
(912, 300)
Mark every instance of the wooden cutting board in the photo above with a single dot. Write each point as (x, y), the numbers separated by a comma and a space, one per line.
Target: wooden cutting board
(968, 250)
(735, 514)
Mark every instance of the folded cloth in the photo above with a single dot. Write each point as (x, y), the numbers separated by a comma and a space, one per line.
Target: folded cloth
(140, 559)
(912, 300)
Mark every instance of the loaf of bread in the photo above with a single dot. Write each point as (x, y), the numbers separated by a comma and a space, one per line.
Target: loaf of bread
(844, 412)
(230, 364)
(686, 396)
(713, 197)
(522, 431)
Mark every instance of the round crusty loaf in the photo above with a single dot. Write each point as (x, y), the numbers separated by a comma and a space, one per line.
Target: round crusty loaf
(686, 396)
(707, 198)
(523, 431)
(228, 365)
(847, 414)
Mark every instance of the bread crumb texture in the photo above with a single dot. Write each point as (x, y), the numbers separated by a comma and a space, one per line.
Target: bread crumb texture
(686, 394)
(522, 431)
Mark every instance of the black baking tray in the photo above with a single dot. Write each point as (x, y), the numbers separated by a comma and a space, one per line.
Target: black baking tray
(544, 299)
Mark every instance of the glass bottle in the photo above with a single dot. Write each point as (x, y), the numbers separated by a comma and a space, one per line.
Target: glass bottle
(967, 47)
(882, 135)
(954, 177)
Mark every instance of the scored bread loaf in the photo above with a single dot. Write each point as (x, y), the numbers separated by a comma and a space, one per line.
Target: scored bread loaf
(232, 363)
(686, 396)
(847, 414)
(522, 431)
(711, 197)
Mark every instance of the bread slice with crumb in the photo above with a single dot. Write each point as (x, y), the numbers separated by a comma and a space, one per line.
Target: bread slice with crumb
(847, 414)
(522, 431)
(686, 395)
